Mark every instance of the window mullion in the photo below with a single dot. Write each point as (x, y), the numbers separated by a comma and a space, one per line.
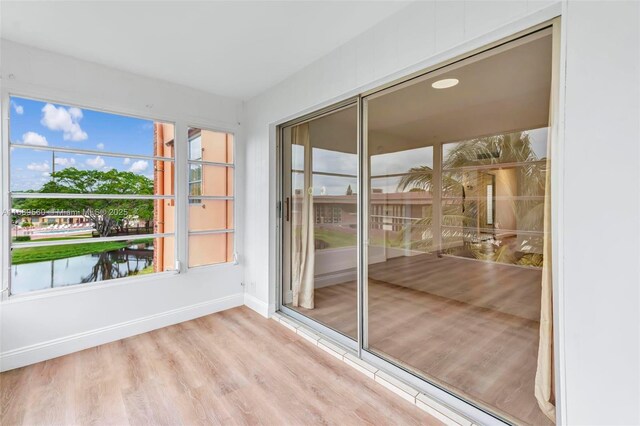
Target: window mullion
(5, 202)
(182, 194)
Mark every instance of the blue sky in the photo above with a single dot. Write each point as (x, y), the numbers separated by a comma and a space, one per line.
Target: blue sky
(37, 123)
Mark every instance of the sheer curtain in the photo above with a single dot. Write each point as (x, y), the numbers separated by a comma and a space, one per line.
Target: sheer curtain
(303, 237)
(544, 382)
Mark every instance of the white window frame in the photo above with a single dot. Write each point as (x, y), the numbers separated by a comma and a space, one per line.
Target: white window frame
(233, 197)
(190, 182)
(7, 196)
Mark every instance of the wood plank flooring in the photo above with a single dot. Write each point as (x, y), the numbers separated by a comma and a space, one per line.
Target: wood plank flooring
(233, 367)
(470, 326)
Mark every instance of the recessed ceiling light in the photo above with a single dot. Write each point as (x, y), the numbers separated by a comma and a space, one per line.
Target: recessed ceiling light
(445, 83)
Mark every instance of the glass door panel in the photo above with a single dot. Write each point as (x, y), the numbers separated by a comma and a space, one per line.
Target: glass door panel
(321, 219)
(456, 226)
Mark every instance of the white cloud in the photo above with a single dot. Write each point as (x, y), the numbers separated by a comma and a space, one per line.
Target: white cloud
(100, 146)
(139, 166)
(66, 120)
(76, 113)
(19, 109)
(95, 163)
(65, 161)
(39, 167)
(33, 138)
(126, 161)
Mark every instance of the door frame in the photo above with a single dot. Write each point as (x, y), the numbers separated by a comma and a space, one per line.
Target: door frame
(482, 415)
(283, 232)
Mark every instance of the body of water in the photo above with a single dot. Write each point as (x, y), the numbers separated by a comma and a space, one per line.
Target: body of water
(81, 269)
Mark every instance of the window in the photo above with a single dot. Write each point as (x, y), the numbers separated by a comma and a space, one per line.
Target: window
(211, 201)
(195, 170)
(91, 196)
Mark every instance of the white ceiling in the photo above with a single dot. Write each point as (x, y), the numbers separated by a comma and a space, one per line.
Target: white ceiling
(235, 49)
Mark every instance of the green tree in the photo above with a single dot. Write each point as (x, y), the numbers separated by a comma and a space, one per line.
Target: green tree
(106, 215)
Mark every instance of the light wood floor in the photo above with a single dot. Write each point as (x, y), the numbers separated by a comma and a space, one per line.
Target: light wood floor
(470, 326)
(233, 367)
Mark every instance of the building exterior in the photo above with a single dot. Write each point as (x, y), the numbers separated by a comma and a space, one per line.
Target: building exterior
(210, 194)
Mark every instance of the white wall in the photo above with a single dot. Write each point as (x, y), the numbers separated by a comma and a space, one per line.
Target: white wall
(33, 328)
(599, 256)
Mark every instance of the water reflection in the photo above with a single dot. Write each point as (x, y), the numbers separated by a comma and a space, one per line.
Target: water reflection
(108, 265)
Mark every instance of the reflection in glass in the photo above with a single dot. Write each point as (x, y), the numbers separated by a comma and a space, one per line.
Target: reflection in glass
(493, 199)
(400, 205)
(458, 278)
(195, 147)
(322, 183)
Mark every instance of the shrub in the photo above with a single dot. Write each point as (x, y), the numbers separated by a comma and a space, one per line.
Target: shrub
(23, 238)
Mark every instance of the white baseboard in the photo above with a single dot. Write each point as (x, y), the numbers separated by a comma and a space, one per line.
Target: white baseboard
(65, 345)
(258, 305)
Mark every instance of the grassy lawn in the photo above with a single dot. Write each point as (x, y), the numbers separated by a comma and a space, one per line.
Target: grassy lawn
(40, 254)
(146, 271)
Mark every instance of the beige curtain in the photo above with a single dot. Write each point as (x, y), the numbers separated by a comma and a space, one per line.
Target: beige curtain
(544, 383)
(303, 244)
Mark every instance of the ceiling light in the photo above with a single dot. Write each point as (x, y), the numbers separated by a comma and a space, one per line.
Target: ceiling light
(445, 83)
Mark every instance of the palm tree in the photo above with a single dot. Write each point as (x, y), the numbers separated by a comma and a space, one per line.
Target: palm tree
(462, 166)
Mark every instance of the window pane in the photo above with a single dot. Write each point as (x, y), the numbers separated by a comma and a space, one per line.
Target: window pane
(46, 124)
(207, 145)
(53, 172)
(39, 268)
(209, 249)
(38, 131)
(215, 180)
(195, 188)
(321, 230)
(513, 234)
(400, 215)
(211, 215)
(195, 148)
(528, 146)
(44, 219)
(210, 181)
(326, 185)
(327, 161)
(195, 173)
(401, 161)
(458, 242)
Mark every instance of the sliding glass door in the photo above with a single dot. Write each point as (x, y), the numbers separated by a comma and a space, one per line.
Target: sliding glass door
(320, 159)
(452, 269)
(457, 180)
